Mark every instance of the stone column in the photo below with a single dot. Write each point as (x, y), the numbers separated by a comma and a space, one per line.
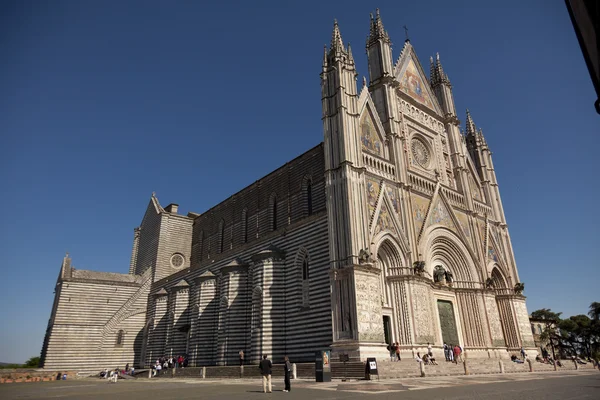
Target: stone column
(204, 321)
(235, 306)
(157, 328)
(178, 338)
(268, 308)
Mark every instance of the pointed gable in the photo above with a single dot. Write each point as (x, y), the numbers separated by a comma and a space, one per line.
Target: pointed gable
(413, 81)
(385, 220)
(439, 214)
(414, 85)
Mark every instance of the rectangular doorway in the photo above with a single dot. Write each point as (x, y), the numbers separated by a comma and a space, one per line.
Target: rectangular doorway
(387, 329)
(447, 322)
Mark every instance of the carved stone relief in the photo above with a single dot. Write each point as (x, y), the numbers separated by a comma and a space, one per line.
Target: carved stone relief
(494, 320)
(423, 315)
(368, 305)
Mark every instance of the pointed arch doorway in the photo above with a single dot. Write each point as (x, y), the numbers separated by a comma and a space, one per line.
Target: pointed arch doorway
(390, 263)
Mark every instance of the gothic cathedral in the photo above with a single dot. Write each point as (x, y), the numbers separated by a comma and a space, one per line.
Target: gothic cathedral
(391, 230)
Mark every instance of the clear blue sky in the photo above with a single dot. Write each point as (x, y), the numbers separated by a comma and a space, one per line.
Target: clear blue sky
(105, 102)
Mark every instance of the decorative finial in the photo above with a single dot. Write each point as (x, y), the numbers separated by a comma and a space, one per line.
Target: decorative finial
(406, 33)
(67, 254)
(364, 81)
(153, 194)
(437, 56)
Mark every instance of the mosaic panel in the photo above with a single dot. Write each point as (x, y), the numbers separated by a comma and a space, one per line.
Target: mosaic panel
(413, 85)
(492, 254)
(373, 188)
(384, 220)
(464, 224)
(475, 191)
(440, 215)
(391, 192)
(419, 210)
(368, 135)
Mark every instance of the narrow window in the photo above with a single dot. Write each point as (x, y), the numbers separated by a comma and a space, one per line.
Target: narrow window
(305, 270)
(274, 214)
(309, 197)
(120, 337)
(222, 235)
(305, 284)
(245, 225)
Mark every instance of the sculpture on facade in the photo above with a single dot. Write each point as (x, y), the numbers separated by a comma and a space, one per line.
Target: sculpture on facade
(419, 267)
(519, 287)
(439, 274)
(489, 283)
(364, 256)
(449, 277)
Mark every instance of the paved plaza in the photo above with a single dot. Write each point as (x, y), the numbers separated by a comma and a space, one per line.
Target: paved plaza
(571, 385)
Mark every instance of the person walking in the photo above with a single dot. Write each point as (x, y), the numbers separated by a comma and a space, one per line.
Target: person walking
(265, 370)
(287, 369)
(446, 352)
(457, 357)
(241, 353)
(398, 351)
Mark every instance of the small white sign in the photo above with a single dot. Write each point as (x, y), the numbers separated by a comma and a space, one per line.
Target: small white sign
(372, 364)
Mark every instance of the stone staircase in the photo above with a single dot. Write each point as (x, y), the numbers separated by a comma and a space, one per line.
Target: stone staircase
(387, 370)
(410, 368)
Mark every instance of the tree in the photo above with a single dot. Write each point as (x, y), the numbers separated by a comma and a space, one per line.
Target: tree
(33, 362)
(594, 312)
(551, 321)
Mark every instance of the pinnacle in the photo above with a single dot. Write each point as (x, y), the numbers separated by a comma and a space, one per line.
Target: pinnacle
(377, 31)
(336, 38)
(470, 125)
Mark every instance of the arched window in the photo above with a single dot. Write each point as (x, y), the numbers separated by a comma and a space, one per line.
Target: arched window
(309, 197)
(120, 337)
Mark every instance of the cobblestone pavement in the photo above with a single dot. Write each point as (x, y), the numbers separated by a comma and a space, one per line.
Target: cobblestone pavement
(568, 385)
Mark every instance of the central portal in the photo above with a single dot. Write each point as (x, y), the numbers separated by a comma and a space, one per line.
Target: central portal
(447, 322)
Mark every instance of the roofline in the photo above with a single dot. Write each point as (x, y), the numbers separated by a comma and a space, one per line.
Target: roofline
(260, 180)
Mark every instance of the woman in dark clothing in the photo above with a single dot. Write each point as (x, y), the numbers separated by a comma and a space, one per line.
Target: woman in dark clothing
(288, 370)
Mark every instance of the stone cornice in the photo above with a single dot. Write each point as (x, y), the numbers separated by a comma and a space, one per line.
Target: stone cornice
(270, 253)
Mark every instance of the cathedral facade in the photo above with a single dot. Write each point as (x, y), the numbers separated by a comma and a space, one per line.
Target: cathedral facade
(390, 230)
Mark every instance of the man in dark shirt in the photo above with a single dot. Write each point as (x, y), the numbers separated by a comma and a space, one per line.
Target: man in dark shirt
(265, 369)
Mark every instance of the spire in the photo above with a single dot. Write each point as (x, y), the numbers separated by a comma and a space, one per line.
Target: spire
(470, 128)
(337, 45)
(377, 31)
(324, 56)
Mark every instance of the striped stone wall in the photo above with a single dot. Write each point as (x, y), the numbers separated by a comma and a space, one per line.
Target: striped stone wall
(224, 299)
(88, 318)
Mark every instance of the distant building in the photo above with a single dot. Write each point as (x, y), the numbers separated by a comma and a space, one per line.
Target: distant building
(585, 16)
(391, 230)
